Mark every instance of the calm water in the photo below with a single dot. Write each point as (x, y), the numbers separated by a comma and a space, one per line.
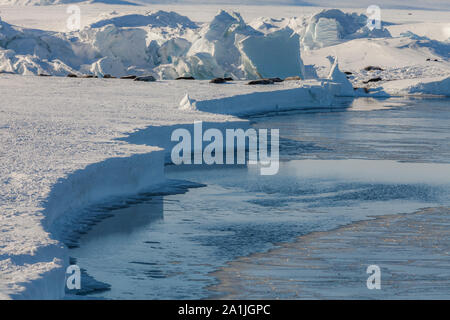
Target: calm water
(374, 158)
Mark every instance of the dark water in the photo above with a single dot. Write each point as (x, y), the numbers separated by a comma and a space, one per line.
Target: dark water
(374, 158)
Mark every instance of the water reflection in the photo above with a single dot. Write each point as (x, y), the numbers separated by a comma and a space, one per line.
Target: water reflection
(126, 221)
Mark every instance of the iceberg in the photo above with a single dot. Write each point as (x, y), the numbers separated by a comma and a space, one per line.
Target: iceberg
(331, 27)
(276, 54)
(337, 76)
(220, 39)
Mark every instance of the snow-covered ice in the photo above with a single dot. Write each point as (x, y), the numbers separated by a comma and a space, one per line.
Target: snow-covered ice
(427, 86)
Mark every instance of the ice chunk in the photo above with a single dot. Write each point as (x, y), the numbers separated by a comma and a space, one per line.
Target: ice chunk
(439, 86)
(108, 65)
(176, 47)
(200, 66)
(187, 102)
(435, 87)
(275, 54)
(116, 43)
(346, 88)
(326, 32)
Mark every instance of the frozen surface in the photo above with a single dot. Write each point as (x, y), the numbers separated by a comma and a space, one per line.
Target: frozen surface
(330, 27)
(274, 54)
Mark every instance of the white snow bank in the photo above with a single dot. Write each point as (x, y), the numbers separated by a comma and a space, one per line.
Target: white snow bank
(154, 19)
(426, 86)
(44, 275)
(336, 75)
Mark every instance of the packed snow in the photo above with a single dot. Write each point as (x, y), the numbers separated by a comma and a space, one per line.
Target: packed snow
(62, 138)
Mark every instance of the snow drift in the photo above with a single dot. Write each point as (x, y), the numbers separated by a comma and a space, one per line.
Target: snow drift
(276, 54)
(155, 19)
(439, 86)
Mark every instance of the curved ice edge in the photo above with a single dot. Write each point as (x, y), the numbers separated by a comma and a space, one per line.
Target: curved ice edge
(87, 218)
(139, 172)
(314, 94)
(113, 177)
(105, 183)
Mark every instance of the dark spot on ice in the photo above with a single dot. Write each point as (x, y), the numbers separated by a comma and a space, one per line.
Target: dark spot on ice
(131, 77)
(261, 81)
(373, 80)
(373, 68)
(185, 78)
